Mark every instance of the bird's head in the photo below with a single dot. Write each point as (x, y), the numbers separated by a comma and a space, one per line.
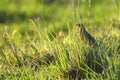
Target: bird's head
(81, 26)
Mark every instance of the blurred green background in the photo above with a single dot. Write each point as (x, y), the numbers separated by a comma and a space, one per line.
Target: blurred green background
(47, 11)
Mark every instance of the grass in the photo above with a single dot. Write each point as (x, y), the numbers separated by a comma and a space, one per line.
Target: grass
(40, 42)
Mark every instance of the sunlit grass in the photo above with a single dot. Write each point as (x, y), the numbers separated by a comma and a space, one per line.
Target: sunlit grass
(45, 45)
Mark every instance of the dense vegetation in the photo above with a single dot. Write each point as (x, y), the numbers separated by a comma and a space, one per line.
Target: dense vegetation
(39, 40)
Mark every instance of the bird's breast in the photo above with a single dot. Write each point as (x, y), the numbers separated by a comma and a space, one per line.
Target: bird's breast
(82, 38)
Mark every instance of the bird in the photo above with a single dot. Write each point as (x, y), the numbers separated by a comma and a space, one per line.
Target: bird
(92, 56)
(85, 36)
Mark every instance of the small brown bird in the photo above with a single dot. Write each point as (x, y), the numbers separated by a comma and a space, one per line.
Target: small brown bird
(93, 59)
(85, 36)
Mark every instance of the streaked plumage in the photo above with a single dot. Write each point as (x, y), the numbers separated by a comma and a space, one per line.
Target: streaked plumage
(85, 36)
